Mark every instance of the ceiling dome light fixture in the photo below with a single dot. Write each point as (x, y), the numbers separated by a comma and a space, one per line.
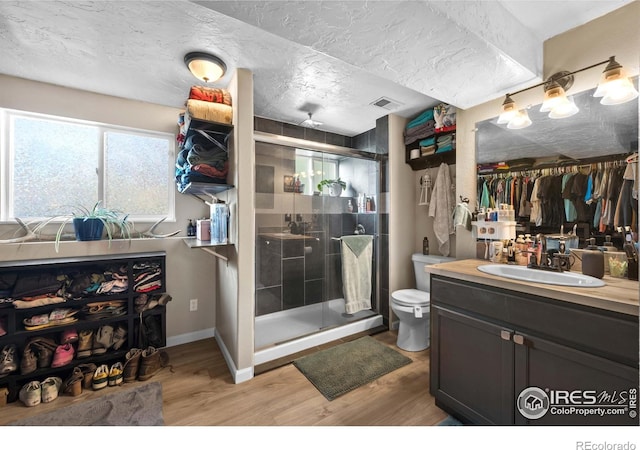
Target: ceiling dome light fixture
(205, 67)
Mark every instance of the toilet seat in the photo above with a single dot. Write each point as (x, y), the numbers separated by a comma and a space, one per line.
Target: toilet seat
(411, 298)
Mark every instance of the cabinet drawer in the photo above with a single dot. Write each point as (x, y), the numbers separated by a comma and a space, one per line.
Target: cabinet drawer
(610, 335)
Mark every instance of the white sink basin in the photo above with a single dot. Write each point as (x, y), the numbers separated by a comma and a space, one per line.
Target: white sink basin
(541, 276)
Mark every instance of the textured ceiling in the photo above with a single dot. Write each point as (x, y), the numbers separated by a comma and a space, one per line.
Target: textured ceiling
(327, 57)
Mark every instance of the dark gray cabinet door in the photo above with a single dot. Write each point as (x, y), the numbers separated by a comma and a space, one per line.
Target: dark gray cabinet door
(573, 379)
(472, 367)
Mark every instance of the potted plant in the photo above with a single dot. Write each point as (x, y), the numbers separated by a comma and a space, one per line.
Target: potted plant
(335, 186)
(91, 224)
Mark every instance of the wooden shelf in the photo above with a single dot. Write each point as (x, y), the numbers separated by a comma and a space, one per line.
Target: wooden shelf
(207, 246)
(434, 160)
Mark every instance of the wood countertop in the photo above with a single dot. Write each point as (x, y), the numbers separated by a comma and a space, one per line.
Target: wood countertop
(619, 294)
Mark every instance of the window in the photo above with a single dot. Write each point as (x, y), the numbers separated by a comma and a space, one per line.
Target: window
(50, 164)
(313, 169)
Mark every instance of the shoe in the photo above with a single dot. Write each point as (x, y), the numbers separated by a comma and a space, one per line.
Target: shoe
(87, 369)
(44, 348)
(151, 363)
(102, 340)
(131, 365)
(85, 343)
(69, 336)
(63, 355)
(100, 377)
(8, 360)
(164, 299)
(31, 393)
(29, 362)
(50, 388)
(115, 374)
(73, 385)
(119, 336)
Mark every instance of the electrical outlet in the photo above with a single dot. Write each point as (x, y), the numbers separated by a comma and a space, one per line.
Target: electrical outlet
(193, 304)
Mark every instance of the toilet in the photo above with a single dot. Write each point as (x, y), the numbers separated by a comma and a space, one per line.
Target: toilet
(411, 306)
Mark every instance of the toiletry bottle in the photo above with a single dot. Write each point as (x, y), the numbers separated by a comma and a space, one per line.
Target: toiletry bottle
(511, 252)
(349, 206)
(521, 248)
(593, 260)
(425, 246)
(191, 228)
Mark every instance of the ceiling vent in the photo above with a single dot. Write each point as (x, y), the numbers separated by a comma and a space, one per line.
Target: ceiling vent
(386, 103)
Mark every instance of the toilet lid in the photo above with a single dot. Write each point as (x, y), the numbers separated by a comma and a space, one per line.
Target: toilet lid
(411, 297)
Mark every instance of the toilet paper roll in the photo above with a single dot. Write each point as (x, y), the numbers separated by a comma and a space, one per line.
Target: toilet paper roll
(415, 153)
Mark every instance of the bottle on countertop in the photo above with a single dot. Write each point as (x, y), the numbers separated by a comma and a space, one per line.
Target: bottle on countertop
(425, 246)
(191, 228)
(593, 260)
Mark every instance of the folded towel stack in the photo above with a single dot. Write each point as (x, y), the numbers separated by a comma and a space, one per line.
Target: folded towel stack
(203, 158)
(420, 127)
(446, 143)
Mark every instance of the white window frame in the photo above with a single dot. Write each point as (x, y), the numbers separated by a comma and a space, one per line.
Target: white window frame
(7, 158)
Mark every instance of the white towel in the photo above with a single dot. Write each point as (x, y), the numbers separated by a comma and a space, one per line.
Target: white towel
(357, 252)
(441, 209)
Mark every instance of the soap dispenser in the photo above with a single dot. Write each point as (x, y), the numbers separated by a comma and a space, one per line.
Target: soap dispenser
(593, 260)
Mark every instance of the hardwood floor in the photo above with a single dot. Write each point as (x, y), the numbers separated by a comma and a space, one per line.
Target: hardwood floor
(200, 391)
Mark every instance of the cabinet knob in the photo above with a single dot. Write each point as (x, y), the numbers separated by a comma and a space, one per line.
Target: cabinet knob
(506, 335)
(518, 339)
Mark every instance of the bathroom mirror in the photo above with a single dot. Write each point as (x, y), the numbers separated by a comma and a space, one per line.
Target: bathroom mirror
(595, 131)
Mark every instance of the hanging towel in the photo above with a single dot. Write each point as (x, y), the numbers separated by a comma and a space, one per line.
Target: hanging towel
(441, 209)
(357, 252)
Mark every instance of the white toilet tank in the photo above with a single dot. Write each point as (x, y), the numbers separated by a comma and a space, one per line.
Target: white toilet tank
(423, 279)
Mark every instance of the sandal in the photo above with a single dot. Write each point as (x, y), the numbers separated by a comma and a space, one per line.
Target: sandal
(100, 377)
(56, 318)
(116, 374)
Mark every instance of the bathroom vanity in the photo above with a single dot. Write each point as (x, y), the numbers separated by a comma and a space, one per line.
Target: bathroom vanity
(492, 339)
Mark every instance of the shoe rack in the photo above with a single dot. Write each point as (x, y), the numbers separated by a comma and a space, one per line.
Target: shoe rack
(121, 301)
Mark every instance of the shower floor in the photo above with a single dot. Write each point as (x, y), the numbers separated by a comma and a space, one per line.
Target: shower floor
(283, 326)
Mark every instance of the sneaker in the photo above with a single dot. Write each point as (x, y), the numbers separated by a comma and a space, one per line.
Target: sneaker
(116, 374)
(100, 377)
(63, 355)
(50, 388)
(85, 343)
(8, 360)
(69, 336)
(31, 393)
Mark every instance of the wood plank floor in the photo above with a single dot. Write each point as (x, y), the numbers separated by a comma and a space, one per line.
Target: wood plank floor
(200, 391)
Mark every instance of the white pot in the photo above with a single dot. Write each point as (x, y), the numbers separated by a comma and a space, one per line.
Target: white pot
(335, 190)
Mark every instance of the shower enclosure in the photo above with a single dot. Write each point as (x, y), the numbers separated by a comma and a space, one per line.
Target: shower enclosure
(299, 221)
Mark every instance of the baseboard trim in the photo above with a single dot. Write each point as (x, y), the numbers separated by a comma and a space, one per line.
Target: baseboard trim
(191, 337)
(239, 376)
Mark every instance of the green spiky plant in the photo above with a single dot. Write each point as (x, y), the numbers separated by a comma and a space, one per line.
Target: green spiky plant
(116, 224)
